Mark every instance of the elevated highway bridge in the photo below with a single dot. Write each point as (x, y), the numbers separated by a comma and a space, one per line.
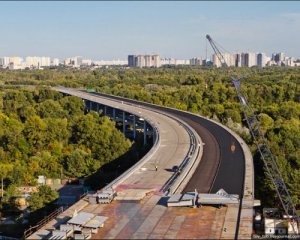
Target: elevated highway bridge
(212, 157)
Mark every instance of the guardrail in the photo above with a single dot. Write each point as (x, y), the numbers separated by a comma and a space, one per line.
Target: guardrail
(248, 186)
(7, 238)
(42, 223)
(131, 170)
(185, 167)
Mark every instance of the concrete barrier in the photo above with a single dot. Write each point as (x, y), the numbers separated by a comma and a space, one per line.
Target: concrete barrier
(193, 154)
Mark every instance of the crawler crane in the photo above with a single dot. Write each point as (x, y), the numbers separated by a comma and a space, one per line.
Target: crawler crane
(261, 143)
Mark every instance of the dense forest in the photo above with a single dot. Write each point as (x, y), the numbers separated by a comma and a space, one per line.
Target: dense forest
(274, 94)
(44, 133)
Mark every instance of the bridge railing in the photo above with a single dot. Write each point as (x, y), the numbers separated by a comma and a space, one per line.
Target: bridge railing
(141, 162)
(43, 222)
(185, 167)
(182, 176)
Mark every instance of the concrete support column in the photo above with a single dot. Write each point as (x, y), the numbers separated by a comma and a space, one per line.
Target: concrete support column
(97, 107)
(134, 127)
(145, 132)
(105, 110)
(114, 114)
(124, 123)
(91, 105)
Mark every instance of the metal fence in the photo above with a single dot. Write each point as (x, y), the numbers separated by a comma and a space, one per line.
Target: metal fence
(42, 223)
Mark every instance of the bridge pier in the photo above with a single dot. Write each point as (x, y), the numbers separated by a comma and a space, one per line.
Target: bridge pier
(134, 127)
(145, 132)
(118, 116)
(114, 114)
(124, 122)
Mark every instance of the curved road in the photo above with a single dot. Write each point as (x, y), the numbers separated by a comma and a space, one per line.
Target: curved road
(222, 164)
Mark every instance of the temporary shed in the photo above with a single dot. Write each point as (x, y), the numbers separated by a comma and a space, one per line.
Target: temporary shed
(219, 198)
(81, 218)
(96, 223)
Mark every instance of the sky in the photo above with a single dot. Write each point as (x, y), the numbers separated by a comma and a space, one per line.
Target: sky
(113, 30)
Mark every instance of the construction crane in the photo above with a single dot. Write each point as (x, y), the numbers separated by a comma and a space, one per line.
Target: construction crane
(261, 143)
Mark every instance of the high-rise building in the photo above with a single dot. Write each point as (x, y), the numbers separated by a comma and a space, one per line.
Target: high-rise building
(37, 62)
(288, 61)
(261, 59)
(140, 61)
(144, 61)
(168, 61)
(32, 61)
(249, 59)
(55, 62)
(76, 61)
(148, 60)
(16, 60)
(196, 61)
(156, 61)
(45, 62)
(278, 57)
(16, 63)
(131, 61)
(73, 61)
(182, 62)
(238, 60)
(4, 61)
(86, 62)
(111, 62)
(228, 57)
(67, 61)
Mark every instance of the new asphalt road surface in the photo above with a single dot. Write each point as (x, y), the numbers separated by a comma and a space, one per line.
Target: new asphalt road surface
(222, 164)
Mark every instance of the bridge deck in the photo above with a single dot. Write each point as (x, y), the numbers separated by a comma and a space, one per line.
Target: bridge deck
(173, 147)
(149, 218)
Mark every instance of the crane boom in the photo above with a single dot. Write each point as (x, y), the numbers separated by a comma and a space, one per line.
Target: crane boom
(217, 51)
(261, 143)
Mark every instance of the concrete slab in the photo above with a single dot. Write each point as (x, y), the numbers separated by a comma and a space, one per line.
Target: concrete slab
(128, 219)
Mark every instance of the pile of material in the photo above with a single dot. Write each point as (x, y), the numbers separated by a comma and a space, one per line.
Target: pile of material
(81, 226)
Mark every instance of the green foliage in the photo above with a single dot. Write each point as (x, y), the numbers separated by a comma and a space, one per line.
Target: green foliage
(11, 194)
(274, 94)
(42, 133)
(266, 122)
(44, 196)
(80, 163)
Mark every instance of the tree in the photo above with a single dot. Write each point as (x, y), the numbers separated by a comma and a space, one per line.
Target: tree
(57, 130)
(49, 165)
(266, 122)
(72, 105)
(80, 163)
(5, 170)
(50, 109)
(45, 195)
(46, 93)
(35, 131)
(100, 136)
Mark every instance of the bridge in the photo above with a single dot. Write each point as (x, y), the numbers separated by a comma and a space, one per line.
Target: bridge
(209, 155)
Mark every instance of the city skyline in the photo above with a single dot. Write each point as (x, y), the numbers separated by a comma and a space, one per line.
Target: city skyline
(244, 59)
(103, 30)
